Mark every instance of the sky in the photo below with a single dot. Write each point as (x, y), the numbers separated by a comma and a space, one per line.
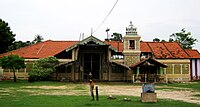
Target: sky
(67, 19)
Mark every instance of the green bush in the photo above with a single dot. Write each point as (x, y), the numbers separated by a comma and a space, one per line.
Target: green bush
(43, 69)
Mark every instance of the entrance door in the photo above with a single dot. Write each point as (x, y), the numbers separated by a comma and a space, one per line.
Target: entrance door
(91, 64)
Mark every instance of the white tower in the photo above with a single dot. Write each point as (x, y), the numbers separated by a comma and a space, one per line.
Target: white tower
(131, 45)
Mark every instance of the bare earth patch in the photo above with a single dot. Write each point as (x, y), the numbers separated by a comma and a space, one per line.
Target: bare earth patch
(185, 95)
(174, 93)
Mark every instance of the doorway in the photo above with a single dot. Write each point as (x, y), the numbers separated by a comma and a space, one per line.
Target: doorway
(91, 64)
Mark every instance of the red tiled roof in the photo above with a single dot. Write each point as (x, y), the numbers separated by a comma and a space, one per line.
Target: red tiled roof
(144, 47)
(160, 50)
(42, 49)
(150, 60)
(176, 50)
(117, 45)
(193, 53)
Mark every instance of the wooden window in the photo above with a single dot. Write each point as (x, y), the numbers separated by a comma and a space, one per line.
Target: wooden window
(117, 69)
(61, 69)
(69, 69)
(185, 69)
(169, 69)
(177, 69)
(132, 44)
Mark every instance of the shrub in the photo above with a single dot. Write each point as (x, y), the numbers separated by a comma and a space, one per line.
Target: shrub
(43, 69)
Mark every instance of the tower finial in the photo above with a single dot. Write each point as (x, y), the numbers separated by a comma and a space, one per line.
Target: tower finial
(131, 30)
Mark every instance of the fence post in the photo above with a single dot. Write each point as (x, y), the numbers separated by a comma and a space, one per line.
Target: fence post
(97, 94)
(91, 90)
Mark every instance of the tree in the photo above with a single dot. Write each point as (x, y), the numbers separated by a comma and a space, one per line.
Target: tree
(43, 69)
(6, 36)
(116, 37)
(12, 62)
(18, 44)
(37, 39)
(163, 40)
(156, 40)
(184, 38)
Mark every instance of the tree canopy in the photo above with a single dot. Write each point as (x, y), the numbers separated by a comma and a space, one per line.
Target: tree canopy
(37, 39)
(156, 40)
(6, 36)
(19, 44)
(12, 62)
(116, 37)
(184, 38)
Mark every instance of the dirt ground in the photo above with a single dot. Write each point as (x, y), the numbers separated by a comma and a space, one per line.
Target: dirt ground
(185, 95)
(165, 92)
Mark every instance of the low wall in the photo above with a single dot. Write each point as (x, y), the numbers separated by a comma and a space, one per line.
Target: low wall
(19, 75)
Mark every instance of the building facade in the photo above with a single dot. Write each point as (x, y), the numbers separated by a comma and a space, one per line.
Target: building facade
(126, 60)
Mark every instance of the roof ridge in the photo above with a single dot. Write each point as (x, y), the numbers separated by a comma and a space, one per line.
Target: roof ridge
(63, 41)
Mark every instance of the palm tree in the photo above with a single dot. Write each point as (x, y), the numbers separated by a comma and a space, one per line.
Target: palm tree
(37, 39)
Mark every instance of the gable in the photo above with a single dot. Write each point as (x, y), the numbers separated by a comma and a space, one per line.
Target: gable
(148, 62)
(91, 40)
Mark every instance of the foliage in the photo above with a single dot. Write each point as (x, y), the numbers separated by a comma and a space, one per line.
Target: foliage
(163, 40)
(19, 44)
(184, 38)
(156, 40)
(43, 69)
(6, 36)
(37, 39)
(116, 37)
(12, 62)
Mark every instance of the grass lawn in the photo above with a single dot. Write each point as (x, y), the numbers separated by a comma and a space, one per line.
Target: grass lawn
(11, 96)
(194, 85)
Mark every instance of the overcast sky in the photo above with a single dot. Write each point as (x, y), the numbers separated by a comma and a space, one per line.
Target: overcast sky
(66, 19)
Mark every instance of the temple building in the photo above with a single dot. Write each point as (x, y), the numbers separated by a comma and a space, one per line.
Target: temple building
(128, 60)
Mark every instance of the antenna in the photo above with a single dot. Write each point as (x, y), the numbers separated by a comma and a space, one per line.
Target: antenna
(80, 37)
(107, 33)
(91, 31)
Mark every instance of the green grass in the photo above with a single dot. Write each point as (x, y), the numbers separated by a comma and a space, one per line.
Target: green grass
(197, 95)
(11, 96)
(84, 101)
(194, 86)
